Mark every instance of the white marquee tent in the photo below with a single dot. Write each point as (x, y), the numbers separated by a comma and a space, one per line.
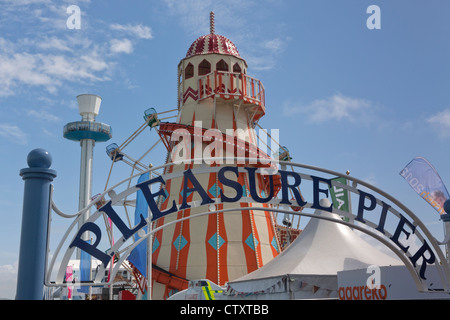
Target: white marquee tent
(308, 268)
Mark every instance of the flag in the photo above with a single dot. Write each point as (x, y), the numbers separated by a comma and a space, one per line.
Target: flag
(339, 196)
(426, 182)
(69, 278)
(85, 269)
(138, 256)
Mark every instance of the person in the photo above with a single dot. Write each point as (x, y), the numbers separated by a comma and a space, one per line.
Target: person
(439, 198)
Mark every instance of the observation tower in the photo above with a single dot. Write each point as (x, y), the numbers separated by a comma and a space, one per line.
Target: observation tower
(87, 131)
(214, 92)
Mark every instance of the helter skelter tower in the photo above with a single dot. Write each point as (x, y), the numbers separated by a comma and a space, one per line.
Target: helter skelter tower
(214, 92)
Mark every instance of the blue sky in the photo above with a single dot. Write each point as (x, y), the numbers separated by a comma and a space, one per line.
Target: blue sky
(344, 97)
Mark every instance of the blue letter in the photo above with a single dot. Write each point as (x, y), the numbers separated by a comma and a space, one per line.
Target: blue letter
(150, 197)
(107, 208)
(91, 248)
(399, 230)
(317, 190)
(252, 182)
(233, 184)
(383, 217)
(285, 186)
(189, 176)
(362, 205)
(420, 253)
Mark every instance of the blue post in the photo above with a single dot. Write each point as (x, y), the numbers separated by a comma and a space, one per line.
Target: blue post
(35, 216)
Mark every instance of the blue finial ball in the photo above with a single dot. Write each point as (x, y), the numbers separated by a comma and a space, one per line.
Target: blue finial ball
(447, 206)
(39, 158)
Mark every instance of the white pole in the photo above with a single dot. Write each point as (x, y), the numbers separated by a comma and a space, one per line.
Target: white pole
(90, 274)
(149, 250)
(87, 149)
(447, 232)
(149, 263)
(446, 220)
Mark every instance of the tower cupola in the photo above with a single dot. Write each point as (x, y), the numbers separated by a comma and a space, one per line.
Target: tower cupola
(212, 43)
(214, 69)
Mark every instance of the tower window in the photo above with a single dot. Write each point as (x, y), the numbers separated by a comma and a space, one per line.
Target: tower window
(204, 68)
(189, 71)
(221, 66)
(236, 68)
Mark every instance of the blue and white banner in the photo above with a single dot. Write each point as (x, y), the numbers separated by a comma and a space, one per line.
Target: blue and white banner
(85, 269)
(425, 180)
(138, 257)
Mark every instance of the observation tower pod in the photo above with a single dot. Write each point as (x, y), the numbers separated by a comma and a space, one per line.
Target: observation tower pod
(87, 131)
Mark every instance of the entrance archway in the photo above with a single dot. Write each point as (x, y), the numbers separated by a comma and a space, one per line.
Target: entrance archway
(377, 214)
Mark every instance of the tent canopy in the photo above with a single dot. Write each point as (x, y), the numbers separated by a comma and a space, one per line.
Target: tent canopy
(321, 250)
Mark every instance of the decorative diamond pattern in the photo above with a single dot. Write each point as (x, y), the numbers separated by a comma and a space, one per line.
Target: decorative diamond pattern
(181, 193)
(213, 192)
(155, 245)
(274, 244)
(249, 241)
(213, 241)
(180, 242)
(244, 191)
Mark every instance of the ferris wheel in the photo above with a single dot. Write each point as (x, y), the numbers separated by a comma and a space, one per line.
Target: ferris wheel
(161, 129)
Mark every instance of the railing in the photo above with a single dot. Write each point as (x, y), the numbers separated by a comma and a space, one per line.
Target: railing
(231, 85)
(88, 126)
(87, 130)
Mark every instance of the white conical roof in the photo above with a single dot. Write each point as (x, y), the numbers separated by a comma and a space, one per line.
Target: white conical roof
(323, 248)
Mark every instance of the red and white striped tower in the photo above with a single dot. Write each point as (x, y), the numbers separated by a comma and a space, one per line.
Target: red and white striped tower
(214, 91)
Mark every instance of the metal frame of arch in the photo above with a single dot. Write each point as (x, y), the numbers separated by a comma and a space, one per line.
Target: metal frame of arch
(394, 209)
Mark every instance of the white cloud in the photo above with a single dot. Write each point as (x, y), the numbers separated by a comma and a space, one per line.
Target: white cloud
(13, 133)
(371, 179)
(441, 122)
(20, 67)
(264, 55)
(54, 43)
(8, 281)
(48, 70)
(260, 63)
(140, 31)
(337, 107)
(193, 15)
(260, 49)
(43, 115)
(274, 44)
(26, 2)
(50, 55)
(121, 46)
